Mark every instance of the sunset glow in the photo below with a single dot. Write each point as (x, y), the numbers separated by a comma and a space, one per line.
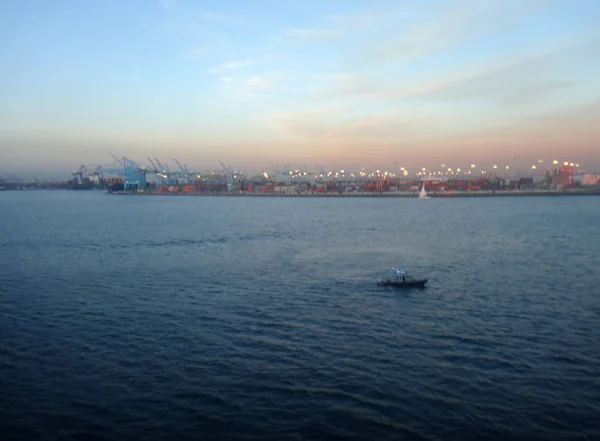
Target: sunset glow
(361, 84)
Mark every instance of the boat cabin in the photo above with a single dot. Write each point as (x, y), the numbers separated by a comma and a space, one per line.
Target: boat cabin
(398, 275)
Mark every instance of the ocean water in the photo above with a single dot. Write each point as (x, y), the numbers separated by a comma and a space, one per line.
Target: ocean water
(160, 318)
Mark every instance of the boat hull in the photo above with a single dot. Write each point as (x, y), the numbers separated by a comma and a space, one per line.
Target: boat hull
(419, 283)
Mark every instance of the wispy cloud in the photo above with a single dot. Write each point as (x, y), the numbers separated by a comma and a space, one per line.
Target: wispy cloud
(247, 88)
(419, 134)
(336, 26)
(305, 123)
(232, 65)
(549, 132)
(260, 82)
(186, 28)
(493, 97)
(525, 80)
(227, 19)
(314, 35)
(458, 21)
(358, 21)
(520, 83)
(167, 5)
(240, 92)
(268, 80)
(197, 52)
(318, 124)
(338, 77)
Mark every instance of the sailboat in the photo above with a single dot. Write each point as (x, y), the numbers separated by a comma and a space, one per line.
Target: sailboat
(423, 194)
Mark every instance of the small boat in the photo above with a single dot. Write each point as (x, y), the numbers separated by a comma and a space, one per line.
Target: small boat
(402, 279)
(423, 194)
(414, 283)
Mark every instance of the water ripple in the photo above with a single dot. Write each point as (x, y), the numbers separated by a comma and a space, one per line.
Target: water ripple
(260, 319)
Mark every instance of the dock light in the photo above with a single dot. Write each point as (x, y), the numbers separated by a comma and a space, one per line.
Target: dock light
(508, 167)
(423, 169)
(458, 170)
(342, 171)
(495, 167)
(565, 163)
(401, 168)
(472, 165)
(377, 171)
(533, 167)
(443, 165)
(555, 162)
(449, 169)
(577, 165)
(572, 165)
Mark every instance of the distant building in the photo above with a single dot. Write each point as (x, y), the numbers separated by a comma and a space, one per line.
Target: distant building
(526, 183)
(283, 177)
(566, 175)
(590, 179)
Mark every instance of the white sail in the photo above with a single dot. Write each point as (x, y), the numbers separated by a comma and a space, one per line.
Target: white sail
(423, 194)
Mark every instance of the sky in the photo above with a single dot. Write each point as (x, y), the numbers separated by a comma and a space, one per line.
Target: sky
(348, 84)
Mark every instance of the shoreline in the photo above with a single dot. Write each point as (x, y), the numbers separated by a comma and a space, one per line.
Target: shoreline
(446, 194)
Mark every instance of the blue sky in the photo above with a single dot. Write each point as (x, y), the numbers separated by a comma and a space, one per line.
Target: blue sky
(348, 83)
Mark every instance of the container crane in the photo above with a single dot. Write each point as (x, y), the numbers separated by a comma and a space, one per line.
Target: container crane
(165, 171)
(134, 177)
(229, 175)
(134, 174)
(161, 178)
(320, 170)
(119, 170)
(186, 174)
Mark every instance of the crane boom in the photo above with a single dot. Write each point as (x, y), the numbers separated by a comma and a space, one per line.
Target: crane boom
(118, 160)
(164, 169)
(156, 170)
(183, 170)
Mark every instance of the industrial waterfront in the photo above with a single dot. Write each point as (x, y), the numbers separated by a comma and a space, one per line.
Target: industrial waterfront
(126, 176)
(446, 194)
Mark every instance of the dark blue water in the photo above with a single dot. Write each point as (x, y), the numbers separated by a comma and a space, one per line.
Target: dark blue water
(248, 318)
